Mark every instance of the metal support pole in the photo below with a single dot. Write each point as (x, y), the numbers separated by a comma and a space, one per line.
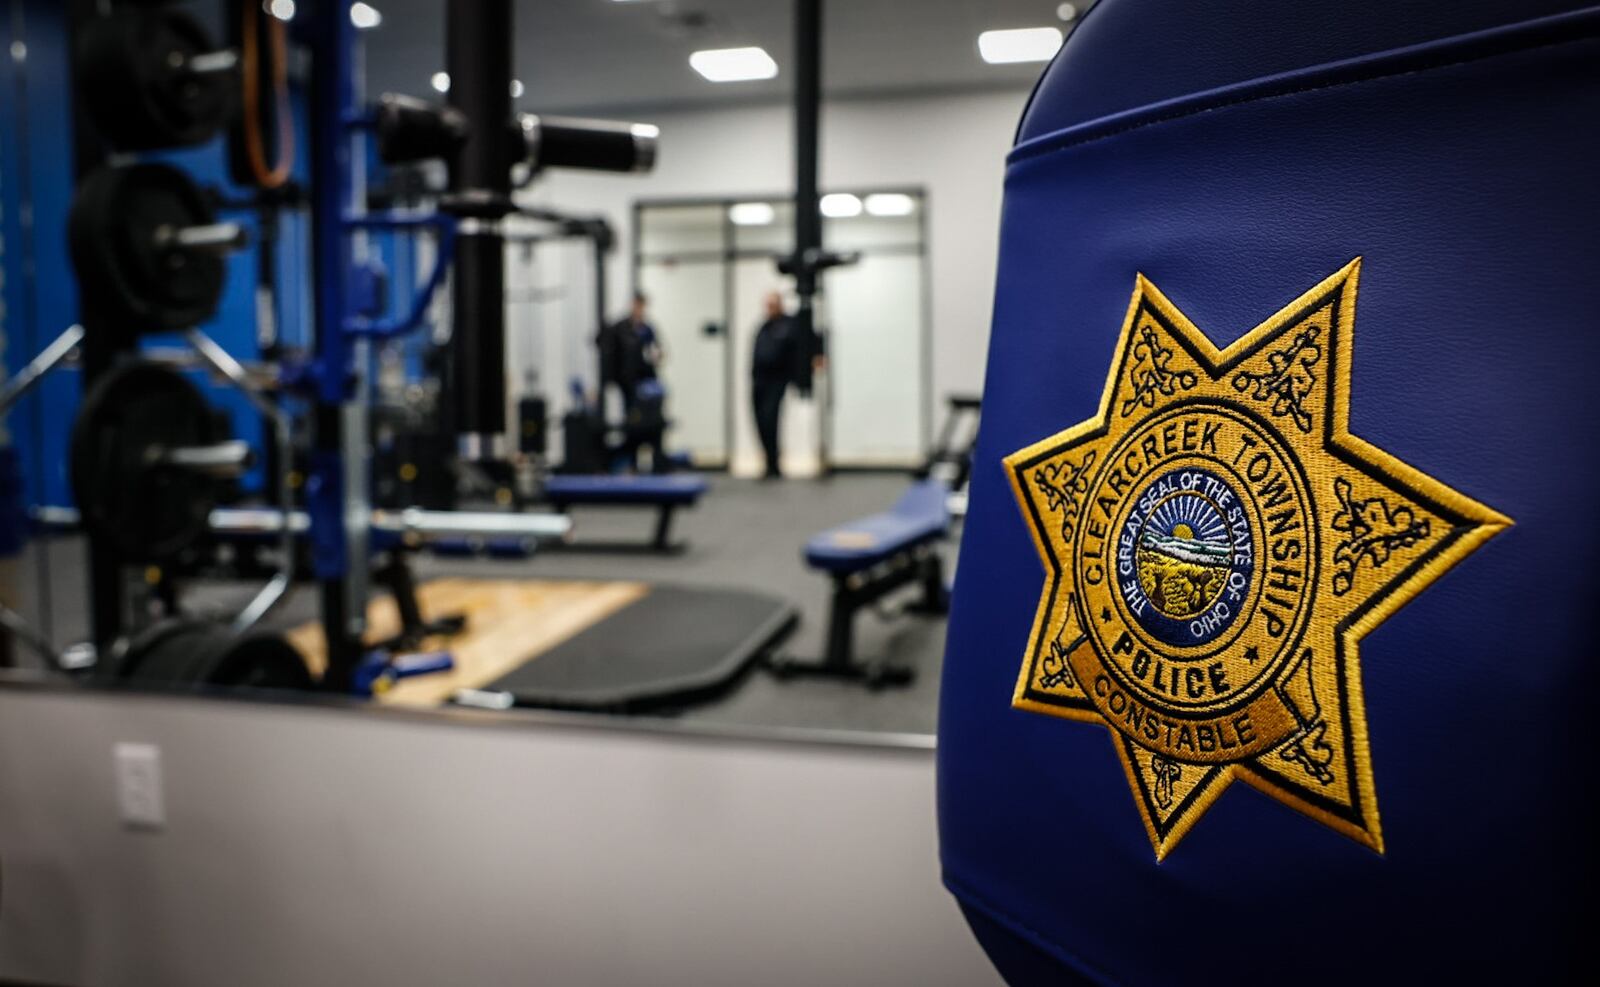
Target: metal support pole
(59, 349)
(281, 584)
(807, 123)
(478, 38)
(333, 91)
(600, 313)
(807, 205)
(100, 348)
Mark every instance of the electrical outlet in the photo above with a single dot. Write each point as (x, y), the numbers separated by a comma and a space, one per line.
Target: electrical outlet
(139, 796)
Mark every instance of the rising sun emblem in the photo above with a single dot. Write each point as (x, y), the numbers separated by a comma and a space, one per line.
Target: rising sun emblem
(1218, 543)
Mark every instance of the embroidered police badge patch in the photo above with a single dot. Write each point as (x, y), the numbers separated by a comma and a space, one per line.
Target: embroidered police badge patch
(1217, 543)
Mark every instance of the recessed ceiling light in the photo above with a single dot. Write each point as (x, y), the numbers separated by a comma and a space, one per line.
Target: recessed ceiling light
(1067, 12)
(283, 10)
(840, 205)
(440, 82)
(1023, 44)
(734, 64)
(365, 16)
(891, 204)
(517, 89)
(751, 213)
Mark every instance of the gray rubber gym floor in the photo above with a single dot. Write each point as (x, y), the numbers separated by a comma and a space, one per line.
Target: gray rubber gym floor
(744, 534)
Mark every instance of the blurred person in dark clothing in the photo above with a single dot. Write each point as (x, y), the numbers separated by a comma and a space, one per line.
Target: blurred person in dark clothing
(630, 354)
(781, 357)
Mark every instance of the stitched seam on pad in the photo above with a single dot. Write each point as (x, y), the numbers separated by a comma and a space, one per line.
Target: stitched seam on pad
(967, 893)
(1048, 147)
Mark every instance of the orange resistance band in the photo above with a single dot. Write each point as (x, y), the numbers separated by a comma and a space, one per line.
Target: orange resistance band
(278, 174)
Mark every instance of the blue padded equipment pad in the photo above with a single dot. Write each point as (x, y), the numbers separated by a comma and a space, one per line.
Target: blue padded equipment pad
(641, 489)
(920, 515)
(1236, 154)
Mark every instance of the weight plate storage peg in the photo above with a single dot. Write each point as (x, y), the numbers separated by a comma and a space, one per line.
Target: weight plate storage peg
(148, 249)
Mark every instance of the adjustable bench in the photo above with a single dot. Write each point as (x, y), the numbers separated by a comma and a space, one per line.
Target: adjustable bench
(869, 558)
(665, 493)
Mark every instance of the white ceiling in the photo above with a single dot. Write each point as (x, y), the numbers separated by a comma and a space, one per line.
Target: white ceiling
(599, 56)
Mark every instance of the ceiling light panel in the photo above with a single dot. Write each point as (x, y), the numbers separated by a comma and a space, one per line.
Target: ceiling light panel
(734, 64)
(1023, 44)
(751, 213)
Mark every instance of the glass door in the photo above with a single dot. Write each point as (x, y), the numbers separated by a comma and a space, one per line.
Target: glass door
(708, 267)
(682, 269)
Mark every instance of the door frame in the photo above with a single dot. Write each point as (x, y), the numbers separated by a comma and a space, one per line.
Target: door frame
(728, 255)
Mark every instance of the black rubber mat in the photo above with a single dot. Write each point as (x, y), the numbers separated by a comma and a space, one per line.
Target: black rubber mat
(671, 647)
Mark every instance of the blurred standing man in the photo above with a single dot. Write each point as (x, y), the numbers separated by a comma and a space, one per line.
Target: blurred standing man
(630, 352)
(780, 358)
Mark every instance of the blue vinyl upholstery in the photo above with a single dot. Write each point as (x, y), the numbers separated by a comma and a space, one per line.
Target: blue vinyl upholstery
(1236, 154)
(675, 489)
(918, 517)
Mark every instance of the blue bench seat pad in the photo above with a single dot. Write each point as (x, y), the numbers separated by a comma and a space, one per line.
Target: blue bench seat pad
(919, 516)
(644, 489)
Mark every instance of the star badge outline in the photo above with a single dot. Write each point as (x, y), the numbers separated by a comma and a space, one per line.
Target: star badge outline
(1384, 532)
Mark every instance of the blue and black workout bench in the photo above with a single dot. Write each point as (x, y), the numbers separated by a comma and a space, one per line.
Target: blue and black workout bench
(869, 558)
(665, 493)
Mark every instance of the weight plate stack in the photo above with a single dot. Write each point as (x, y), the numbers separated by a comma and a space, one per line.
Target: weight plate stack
(121, 221)
(134, 71)
(126, 495)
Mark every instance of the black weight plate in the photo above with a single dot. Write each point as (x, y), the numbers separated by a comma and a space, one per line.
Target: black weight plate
(141, 287)
(259, 660)
(147, 511)
(171, 652)
(130, 69)
(99, 274)
(204, 654)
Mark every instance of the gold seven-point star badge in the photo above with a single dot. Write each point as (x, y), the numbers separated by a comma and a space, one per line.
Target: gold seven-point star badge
(1217, 543)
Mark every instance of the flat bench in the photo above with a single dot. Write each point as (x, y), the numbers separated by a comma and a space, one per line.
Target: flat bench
(871, 557)
(664, 493)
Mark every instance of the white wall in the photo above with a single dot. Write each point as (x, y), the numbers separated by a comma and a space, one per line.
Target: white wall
(323, 846)
(952, 145)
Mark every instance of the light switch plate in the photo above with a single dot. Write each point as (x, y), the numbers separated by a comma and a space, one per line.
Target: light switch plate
(140, 799)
